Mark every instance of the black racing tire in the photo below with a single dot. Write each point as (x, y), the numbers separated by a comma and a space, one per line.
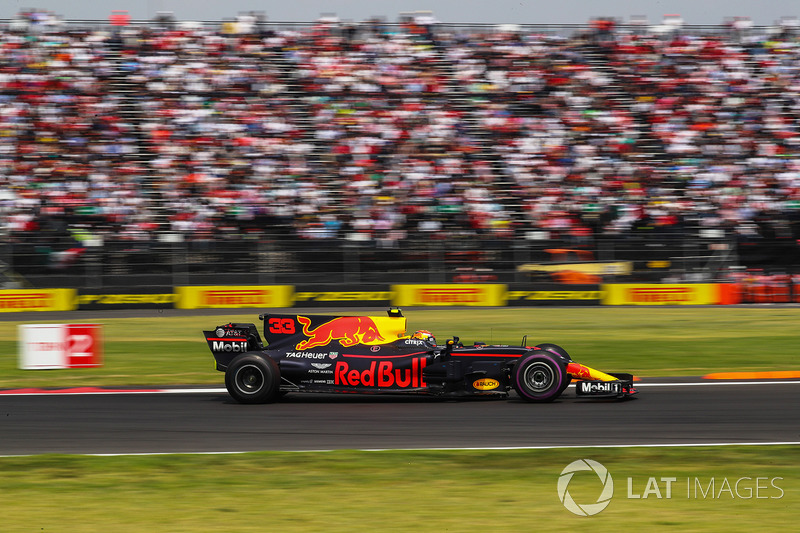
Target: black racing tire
(539, 377)
(554, 348)
(558, 350)
(252, 378)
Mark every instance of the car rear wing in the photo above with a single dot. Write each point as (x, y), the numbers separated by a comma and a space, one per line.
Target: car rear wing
(230, 339)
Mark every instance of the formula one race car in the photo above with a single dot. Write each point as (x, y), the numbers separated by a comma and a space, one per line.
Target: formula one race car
(369, 354)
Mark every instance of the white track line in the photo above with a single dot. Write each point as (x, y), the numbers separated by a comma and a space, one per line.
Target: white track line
(713, 382)
(578, 446)
(445, 449)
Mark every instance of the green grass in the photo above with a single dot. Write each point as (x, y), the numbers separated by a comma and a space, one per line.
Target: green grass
(647, 341)
(398, 491)
(417, 490)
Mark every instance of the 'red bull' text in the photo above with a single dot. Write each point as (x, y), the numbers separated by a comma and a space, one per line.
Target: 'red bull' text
(382, 374)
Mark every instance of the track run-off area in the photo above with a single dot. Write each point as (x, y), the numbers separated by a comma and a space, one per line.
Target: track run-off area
(666, 412)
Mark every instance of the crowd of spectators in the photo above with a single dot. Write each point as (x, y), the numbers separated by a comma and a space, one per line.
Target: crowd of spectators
(382, 132)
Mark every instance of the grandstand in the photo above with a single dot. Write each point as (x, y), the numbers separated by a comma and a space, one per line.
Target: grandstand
(163, 152)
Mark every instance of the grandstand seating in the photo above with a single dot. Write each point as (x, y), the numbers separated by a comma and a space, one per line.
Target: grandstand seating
(385, 133)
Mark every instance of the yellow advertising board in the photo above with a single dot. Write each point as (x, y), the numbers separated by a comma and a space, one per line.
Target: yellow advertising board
(660, 294)
(23, 300)
(340, 296)
(563, 295)
(230, 296)
(458, 294)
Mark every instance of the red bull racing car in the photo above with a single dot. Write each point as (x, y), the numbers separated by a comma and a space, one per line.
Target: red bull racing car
(371, 354)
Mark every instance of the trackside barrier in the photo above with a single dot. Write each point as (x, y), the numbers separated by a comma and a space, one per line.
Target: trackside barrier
(729, 293)
(458, 294)
(776, 288)
(134, 298)
(15, 301)
(49, 346)
(446, 294)
(796, 288)
(552, 294)
(221, 296)
(338, 296)
(661, 294)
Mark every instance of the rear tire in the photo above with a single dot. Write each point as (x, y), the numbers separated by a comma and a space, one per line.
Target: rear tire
(251, 378)
(539, 377)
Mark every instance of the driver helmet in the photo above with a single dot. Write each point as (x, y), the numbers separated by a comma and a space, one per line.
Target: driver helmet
(424, 335)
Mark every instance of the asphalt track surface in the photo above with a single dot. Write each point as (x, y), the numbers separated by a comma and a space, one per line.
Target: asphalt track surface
(667, 412)
(197, 421)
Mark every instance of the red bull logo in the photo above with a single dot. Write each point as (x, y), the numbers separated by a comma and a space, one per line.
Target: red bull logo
(578, 371)
(348, 330)
(383, 374)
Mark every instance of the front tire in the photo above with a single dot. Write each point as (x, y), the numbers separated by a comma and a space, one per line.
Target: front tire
(251, 378)
(539, 377)
(558, 350)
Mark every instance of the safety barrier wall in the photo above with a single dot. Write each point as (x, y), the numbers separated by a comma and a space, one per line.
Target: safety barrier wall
(660, 294)
(777, 288)
(133, 298)
(460, 294)
(15, 301)
(401, 295)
